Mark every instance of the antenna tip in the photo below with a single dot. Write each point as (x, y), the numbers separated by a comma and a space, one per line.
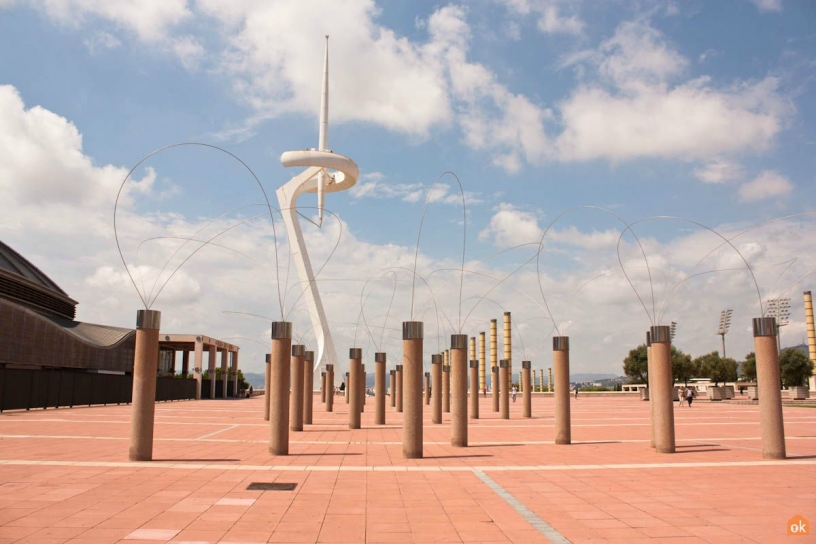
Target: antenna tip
(327, 36)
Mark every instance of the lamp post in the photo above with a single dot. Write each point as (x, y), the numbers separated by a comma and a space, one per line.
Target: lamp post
(725, 323)
(673, 329)
(779, 308)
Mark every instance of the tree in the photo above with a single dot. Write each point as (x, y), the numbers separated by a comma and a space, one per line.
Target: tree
(682, 367)
(749, 367)
(716, 368)
(635, 365)
(242, 383)
(794, 367)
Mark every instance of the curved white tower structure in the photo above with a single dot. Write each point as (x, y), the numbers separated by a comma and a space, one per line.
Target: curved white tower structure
(326, 172)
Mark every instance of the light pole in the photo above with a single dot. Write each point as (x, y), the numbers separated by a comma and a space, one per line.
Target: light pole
(779, 308)
(673, 329)
(725, 323)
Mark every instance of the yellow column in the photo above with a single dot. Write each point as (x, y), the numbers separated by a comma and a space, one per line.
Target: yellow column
(482, 369)
(811, 334)
(508, 346)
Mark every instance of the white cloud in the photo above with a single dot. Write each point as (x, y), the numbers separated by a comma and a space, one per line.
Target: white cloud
(719, 171)
(768, 6)
(412, 192)
(768, 184)
(511, 227)
(550, 19)
(101, 41)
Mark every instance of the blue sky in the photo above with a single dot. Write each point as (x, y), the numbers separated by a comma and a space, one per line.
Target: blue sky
(702, 110)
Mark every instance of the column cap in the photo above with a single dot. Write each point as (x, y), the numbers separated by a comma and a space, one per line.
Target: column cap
(446, 369)
(506, 313)
(298, 350)
(412, 330)
(436, 359)
(330, 368)
(459, 341)
(148, 319)
(648, 339)
(526, 364)
(399, 368)
(764, 326)
(392, 372)
(494, 320)
(427, 374)
(309, 356)
(355, 353)
(494, 369)
(474, 363)
(322, 374)
(281, 330)
(504, 363)
(661, 333)
(379, 357)
(268, 358)
(560, 343)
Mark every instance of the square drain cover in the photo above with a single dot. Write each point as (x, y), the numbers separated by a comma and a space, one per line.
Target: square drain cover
(271, 486)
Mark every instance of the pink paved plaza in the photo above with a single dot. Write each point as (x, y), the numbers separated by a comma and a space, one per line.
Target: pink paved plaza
(64, 477)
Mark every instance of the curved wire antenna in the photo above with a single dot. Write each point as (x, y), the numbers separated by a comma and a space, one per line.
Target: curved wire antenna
(779, 277)
(541, 249)
(246, 338)
(145, 301)
(199, 240)
(464, 240)
(363, 303)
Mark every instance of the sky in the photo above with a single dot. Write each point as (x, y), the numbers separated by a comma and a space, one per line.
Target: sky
(594, 168)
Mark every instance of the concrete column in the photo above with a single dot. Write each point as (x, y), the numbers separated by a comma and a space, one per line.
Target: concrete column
(550, 379)
(526, 388)
(459, 387)
(446, 382)
(145, 363)
(330, 388)
(508, 346)
(436, 389)
(198, 364)
(224, 373)
(399, 387)
(235, 373)
(308, 387)
(535, 380)
(279, 375)
(353, 387)
(563, 431)
(811, 335)
(412, 343)
(296, 396)
(347, 392)
(379, 388)
(185, 363)
(541, 379)
(472, 348)
(662, 390)
(649, 376)
(393, 388)
(768, 385)
(323, 387)
(482, 369)
(427, 388)
(504, 386)
(495, 386)
(211, 367)
(362, 385)
(474, 391)
(267, 394)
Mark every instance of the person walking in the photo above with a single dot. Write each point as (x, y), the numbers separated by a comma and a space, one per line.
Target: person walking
(514, 393)
(682, 394)
(576, 391)
(689, 395)
(485, 391)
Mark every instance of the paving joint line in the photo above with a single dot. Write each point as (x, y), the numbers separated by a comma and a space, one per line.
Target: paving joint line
(217, 432)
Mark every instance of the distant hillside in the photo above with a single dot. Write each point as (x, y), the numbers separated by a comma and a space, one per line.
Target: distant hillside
(578, 378)
(255, 380)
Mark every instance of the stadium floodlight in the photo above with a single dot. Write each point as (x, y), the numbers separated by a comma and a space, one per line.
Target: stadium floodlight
(725, 324)
(673, 329)
(779, 308)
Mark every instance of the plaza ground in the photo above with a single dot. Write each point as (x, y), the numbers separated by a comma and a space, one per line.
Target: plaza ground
(64, 477)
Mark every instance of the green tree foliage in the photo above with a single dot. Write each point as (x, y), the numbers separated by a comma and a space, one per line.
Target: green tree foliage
(635, 365)
(749, 367)
(794, 367)
(682, 367)
(716, 368)
(242, 383)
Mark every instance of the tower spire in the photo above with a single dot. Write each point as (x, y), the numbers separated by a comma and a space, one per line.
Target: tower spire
(323, 134)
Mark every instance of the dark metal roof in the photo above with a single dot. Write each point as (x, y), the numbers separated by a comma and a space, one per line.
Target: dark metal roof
(17, 264)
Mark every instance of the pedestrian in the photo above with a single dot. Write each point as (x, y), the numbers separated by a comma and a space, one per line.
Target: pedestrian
(576, 391)
(485, 391)
(682, 394)
(689, 395)
(250, 392)
(514, 393)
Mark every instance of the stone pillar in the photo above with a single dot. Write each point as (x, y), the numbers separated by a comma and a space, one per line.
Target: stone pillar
(563, 431)
(495, 386)
(482, 369)
(362, 385)
(323, 387)
(211, 367)
(224, 373)
(508, 347)
(459, 387)
(446, 382)
(412, 344)
(399, 388)
(330, 388)
(296, 396)
(768, 386)
(308, 387)
(504, 389)
(353, 387)
(527, 389)
(379, 388)
(811, 335)
(145, 367)
(427, 388)
(472, 349)
(198, 364)
(494, 363)
(393, 388)
(185, 363)
(474, 392)
(267, 394)
(649, 376)
(541, 379)
(436, 389)
(662, 389)
(235, 373)
(347, 393)
(550, 379)
(279, 376)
